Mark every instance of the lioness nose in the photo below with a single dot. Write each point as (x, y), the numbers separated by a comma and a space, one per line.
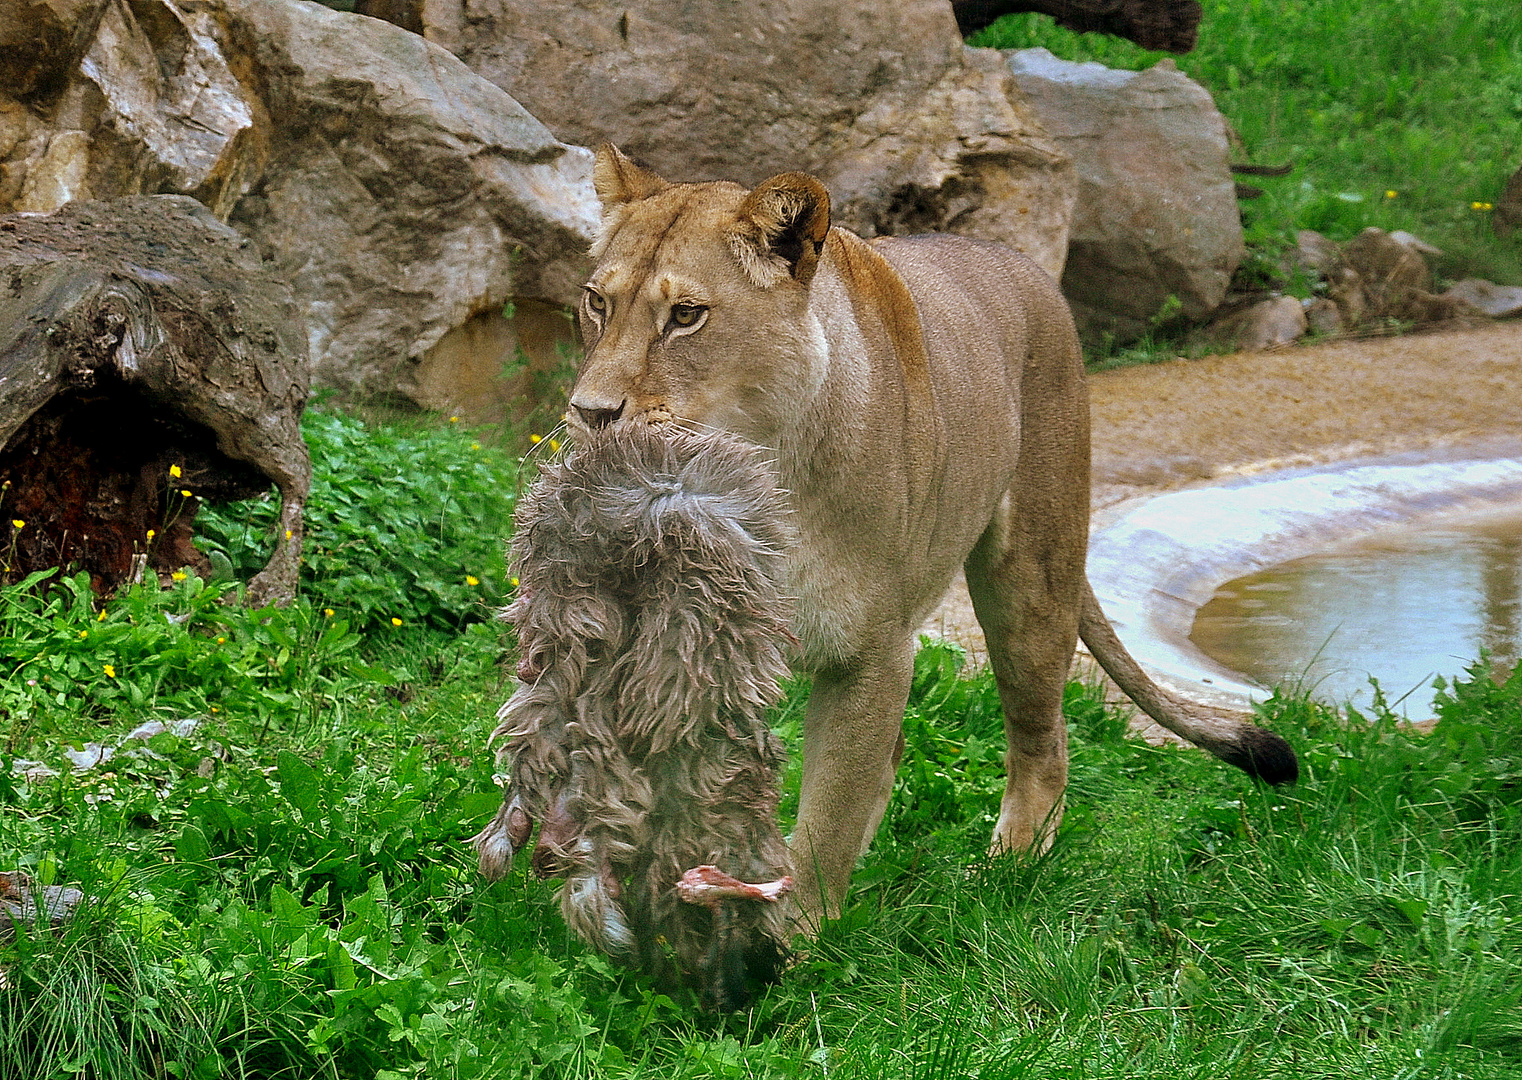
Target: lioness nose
(596, 414)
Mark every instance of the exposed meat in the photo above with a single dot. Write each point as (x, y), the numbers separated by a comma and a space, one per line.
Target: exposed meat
(710, 886)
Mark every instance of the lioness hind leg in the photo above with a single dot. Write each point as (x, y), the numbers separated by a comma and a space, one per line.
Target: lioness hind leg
(1026, 595)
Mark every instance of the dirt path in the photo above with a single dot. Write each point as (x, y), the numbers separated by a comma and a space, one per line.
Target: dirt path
(1187, 422)
(1169, 425)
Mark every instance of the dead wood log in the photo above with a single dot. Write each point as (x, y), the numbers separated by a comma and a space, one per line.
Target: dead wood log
(1165, 25)
(144, 353)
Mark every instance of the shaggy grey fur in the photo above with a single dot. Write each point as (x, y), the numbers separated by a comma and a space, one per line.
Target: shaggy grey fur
(653, 628)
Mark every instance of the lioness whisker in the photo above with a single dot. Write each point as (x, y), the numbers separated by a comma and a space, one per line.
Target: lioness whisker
(702, 428)
(550, 441)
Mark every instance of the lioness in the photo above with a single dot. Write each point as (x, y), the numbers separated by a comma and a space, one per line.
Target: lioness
(924, 398)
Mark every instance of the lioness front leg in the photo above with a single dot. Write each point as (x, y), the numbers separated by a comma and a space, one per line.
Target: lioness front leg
(852, 743)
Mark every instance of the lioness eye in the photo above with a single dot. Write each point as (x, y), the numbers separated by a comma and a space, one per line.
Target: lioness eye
(596, 302)
(686, 314)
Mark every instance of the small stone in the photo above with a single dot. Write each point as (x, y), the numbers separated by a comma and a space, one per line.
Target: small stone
(1315, 252)
(1383, 278)
(1390, 269)
(22, 902)
(1345, 290)
(1416, 244)
(1268, 324)
(1322, 316)
(1497, 301)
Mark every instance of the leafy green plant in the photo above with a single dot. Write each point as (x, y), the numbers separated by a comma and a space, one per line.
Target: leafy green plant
(403, 528)
(165, 654)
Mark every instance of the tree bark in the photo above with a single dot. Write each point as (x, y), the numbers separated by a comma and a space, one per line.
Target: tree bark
(148, 363)
(1164, 25)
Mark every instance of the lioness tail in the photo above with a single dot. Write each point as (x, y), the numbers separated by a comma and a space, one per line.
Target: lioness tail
(1256, 751)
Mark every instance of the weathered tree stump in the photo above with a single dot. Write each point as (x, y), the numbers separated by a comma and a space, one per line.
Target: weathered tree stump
(1166, 25)
(144, 353)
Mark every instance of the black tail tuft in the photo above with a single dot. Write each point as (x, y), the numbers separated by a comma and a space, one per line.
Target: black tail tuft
(1265, 756)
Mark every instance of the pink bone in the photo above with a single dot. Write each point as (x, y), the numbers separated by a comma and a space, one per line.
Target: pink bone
(710, 886)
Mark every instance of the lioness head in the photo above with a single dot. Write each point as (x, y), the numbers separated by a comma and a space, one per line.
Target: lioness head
(698, 308)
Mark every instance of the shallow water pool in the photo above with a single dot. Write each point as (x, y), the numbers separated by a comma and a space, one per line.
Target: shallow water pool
(1402, 606)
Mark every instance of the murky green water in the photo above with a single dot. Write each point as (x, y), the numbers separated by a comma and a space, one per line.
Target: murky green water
(1403, 607)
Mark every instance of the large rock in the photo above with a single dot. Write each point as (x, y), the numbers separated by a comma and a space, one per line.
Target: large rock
(402, 195)
(1157, 213)
(909, 129)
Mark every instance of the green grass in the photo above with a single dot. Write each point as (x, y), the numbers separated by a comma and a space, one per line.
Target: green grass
(1402, 114)
(286, 891)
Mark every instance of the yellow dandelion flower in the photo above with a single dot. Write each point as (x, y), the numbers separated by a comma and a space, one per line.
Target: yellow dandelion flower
(215, 709)
(102, 616)
(454, 419)
(1389, 194)
(178, 575)
(1480, 206)
(174, 471)
(185, 492)
(221, 641)
(288, 534)
(328, 612)
(110, 671)
(84, 634)
(17, 523)
(475, 446)
(536, 439)
(472, 581)
(514, 582)
(152, 533)
(395, 621)
(554, 446)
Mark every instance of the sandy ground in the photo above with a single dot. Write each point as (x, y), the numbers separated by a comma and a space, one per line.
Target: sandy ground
(1187, 422)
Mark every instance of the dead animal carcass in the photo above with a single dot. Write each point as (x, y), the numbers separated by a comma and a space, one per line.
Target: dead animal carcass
(653, 627)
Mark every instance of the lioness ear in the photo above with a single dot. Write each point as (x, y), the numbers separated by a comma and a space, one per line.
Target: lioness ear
(782, 228)
(618, 180)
